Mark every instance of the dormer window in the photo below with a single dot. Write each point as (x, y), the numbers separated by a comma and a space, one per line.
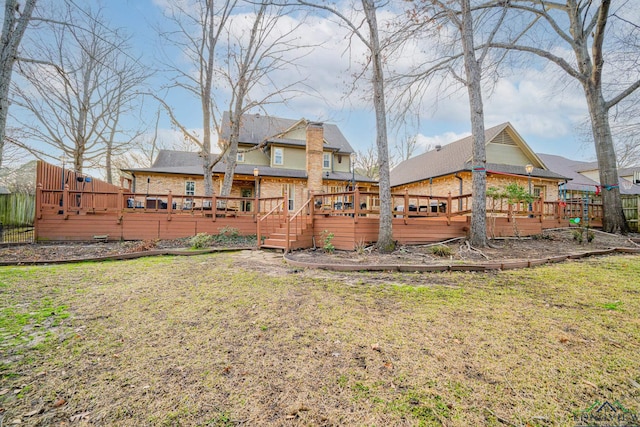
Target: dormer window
(326, 160)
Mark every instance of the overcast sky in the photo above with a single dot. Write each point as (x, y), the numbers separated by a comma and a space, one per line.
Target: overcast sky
(549, 116)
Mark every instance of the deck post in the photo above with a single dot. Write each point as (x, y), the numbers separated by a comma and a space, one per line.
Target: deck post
(541, 208)
(312, 208)
(449, 209)
(39, 200)
(121, 204)
(169, 205)
(214, 208)
(406, 205)
(256, 207)
(356, 205)
(286, 218)
(65, 201)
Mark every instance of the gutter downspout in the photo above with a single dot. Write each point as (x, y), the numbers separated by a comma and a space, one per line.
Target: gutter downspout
(460, 199)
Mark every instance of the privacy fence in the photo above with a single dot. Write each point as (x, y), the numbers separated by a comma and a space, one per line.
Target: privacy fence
(17, 213)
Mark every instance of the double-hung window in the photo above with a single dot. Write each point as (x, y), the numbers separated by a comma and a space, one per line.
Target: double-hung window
(326, 160)
(190, 188)
(278, 156)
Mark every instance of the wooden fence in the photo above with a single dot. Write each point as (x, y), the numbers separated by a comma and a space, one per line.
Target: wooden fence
(17, 209)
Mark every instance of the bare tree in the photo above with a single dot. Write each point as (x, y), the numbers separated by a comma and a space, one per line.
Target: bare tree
(367, 163)
(14, 26)
(459, 13)
(582, 26)
(247, 64)
(370, 37)
(72, 98)
(198, 27)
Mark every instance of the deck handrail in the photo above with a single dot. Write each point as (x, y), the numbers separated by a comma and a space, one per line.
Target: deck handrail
(265, 218)
(297, 217)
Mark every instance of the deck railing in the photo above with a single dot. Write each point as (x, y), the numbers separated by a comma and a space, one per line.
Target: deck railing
(272, 219)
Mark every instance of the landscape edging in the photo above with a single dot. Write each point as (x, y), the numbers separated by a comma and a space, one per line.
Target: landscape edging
(507, 265)
(122, 257)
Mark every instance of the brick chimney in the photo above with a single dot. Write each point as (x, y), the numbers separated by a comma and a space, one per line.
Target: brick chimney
(315, 139)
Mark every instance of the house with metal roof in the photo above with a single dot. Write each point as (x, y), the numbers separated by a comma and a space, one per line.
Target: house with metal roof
(276, 156)
(448, 169)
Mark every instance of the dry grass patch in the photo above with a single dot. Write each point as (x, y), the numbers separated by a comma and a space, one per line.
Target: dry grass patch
(217, 340)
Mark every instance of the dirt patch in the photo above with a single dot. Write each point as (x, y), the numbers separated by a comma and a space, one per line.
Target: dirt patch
(548, 244)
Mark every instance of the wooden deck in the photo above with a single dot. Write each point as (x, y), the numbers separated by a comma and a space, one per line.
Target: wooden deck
(70, 208)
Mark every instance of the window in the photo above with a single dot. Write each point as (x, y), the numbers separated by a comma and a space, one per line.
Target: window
(278, 156)
(240, 158)
(538, 191)
(326, 160)
(290, 189)
(190, 188)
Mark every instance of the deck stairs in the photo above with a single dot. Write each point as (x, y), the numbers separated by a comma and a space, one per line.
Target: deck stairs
(300, 236)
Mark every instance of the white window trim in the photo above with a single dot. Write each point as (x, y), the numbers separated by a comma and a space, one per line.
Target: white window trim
(240, 158)
(186, 191)
(275, 149)
(326, 157)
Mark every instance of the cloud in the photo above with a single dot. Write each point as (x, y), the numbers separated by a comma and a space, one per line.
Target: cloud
(427, 143)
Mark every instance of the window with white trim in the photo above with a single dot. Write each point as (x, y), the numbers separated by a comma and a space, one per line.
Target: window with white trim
(290, 189)
(326, 160)
(190, 188)
(240, 158)
(278, 156)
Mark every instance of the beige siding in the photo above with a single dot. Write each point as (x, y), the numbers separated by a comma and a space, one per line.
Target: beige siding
(594, 175)
(255, 157)
(294, 158)
(506, 154)
(298, 133)
(341, 163)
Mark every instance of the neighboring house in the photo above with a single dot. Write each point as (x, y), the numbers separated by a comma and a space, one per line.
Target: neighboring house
(584, 176)
(275, 156)
(448, 169)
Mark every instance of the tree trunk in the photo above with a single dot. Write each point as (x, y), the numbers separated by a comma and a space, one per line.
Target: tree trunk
(478, 232)
(613, 220)
(13, 28)
(385, 232)
(232, 152)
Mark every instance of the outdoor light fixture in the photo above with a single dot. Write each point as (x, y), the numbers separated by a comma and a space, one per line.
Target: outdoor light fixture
(352, 156)
(529, 169)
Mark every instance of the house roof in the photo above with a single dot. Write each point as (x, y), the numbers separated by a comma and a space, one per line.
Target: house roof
(257, 128)
(190, 163)
(457, 156)
(578, 182)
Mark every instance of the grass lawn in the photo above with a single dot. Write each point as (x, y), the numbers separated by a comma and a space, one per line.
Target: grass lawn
(208, 340)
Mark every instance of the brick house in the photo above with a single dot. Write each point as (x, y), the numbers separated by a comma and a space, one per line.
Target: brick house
(448, 169)
(284, 156)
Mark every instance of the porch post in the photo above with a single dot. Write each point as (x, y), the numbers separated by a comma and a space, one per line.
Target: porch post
(214, 208)
(169, 205)
(449, 209)
(286, 217)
